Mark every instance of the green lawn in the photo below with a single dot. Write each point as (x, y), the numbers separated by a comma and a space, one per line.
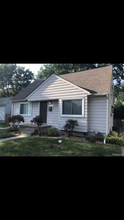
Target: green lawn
(4, 125)
(4, 133)
(32, 146)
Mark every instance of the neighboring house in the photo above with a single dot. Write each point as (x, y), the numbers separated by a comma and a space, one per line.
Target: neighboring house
(86, 96)
(5, 108)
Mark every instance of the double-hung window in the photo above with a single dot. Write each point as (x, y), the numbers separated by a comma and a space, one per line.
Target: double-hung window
(24, 109)
(73, 107)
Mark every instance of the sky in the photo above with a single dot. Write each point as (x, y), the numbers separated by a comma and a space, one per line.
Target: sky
(32, 66)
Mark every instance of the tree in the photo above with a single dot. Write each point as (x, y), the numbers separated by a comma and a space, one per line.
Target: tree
(119, 92)
(13, 79)
(39, 121)
(118, 72)
(58, 69)
(16, 120)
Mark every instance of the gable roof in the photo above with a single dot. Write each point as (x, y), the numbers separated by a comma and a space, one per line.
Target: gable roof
(28, 90)
(5, 101)
(96, 80)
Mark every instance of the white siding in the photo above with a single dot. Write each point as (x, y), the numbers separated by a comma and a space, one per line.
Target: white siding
(97, 114)
(56, 88)
(59, 89)
(82, 121)
(55, 119)
(34, 111)
(52, 117)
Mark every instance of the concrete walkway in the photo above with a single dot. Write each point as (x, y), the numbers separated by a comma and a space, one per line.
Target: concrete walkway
(13, 138)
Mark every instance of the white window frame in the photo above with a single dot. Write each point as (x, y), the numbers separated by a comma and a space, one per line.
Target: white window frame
(73, 116)
(20, 108)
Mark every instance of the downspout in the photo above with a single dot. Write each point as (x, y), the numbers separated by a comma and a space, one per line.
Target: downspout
(107, 116)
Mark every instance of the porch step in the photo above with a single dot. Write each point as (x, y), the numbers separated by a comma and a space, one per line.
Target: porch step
(26, 131)
(29, 129)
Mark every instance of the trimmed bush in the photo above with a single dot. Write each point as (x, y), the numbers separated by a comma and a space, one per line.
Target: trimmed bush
(91, 138)
(39, 121)
(15, 121)
(114, 140)
(117, 129)
(53, 132)
(114, 133)
(70, 126)
(97, 137)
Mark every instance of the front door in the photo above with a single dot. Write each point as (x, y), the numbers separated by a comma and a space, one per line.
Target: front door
(43, 111)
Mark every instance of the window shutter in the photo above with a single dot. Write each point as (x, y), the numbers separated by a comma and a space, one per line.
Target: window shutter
(17, 109)
(30, 108)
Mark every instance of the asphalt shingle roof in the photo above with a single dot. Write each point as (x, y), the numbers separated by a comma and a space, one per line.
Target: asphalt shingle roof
(96, 80)
(28, 90)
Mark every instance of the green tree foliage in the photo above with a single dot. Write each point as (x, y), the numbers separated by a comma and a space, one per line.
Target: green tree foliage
(119, 92)
(13, 79)
(58, 69)
(39, 121)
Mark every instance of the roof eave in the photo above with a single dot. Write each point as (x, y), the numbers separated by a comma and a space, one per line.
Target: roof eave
(21, 100)
(98, 94)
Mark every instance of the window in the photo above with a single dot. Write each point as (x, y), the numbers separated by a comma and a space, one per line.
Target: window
(72, 107)
(23, 109)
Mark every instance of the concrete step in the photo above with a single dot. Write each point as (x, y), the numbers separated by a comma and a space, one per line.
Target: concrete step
(28, 130)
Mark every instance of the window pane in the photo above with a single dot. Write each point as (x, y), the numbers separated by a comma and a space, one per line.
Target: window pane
(24, 109)
(77, 107)
(66, 107)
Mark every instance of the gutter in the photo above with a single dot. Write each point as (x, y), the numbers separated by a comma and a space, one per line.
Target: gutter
(97, 94)
(19, 100)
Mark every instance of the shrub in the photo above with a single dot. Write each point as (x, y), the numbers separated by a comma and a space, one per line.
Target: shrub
(91, 138)
(114, 133)
(114, 140)
(39, 121)
(70, 126)
(115, 128)
(35, 132)
(99, 136)
(16, 120)
(53, 132)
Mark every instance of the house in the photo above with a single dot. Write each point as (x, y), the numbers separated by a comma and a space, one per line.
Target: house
(86, 96)
(5, 109)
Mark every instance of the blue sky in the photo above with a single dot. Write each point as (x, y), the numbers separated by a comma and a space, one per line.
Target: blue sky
(32, 66)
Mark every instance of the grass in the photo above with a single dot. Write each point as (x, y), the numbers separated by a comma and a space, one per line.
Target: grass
(4, 133)
(4, 125)
(32, 146)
